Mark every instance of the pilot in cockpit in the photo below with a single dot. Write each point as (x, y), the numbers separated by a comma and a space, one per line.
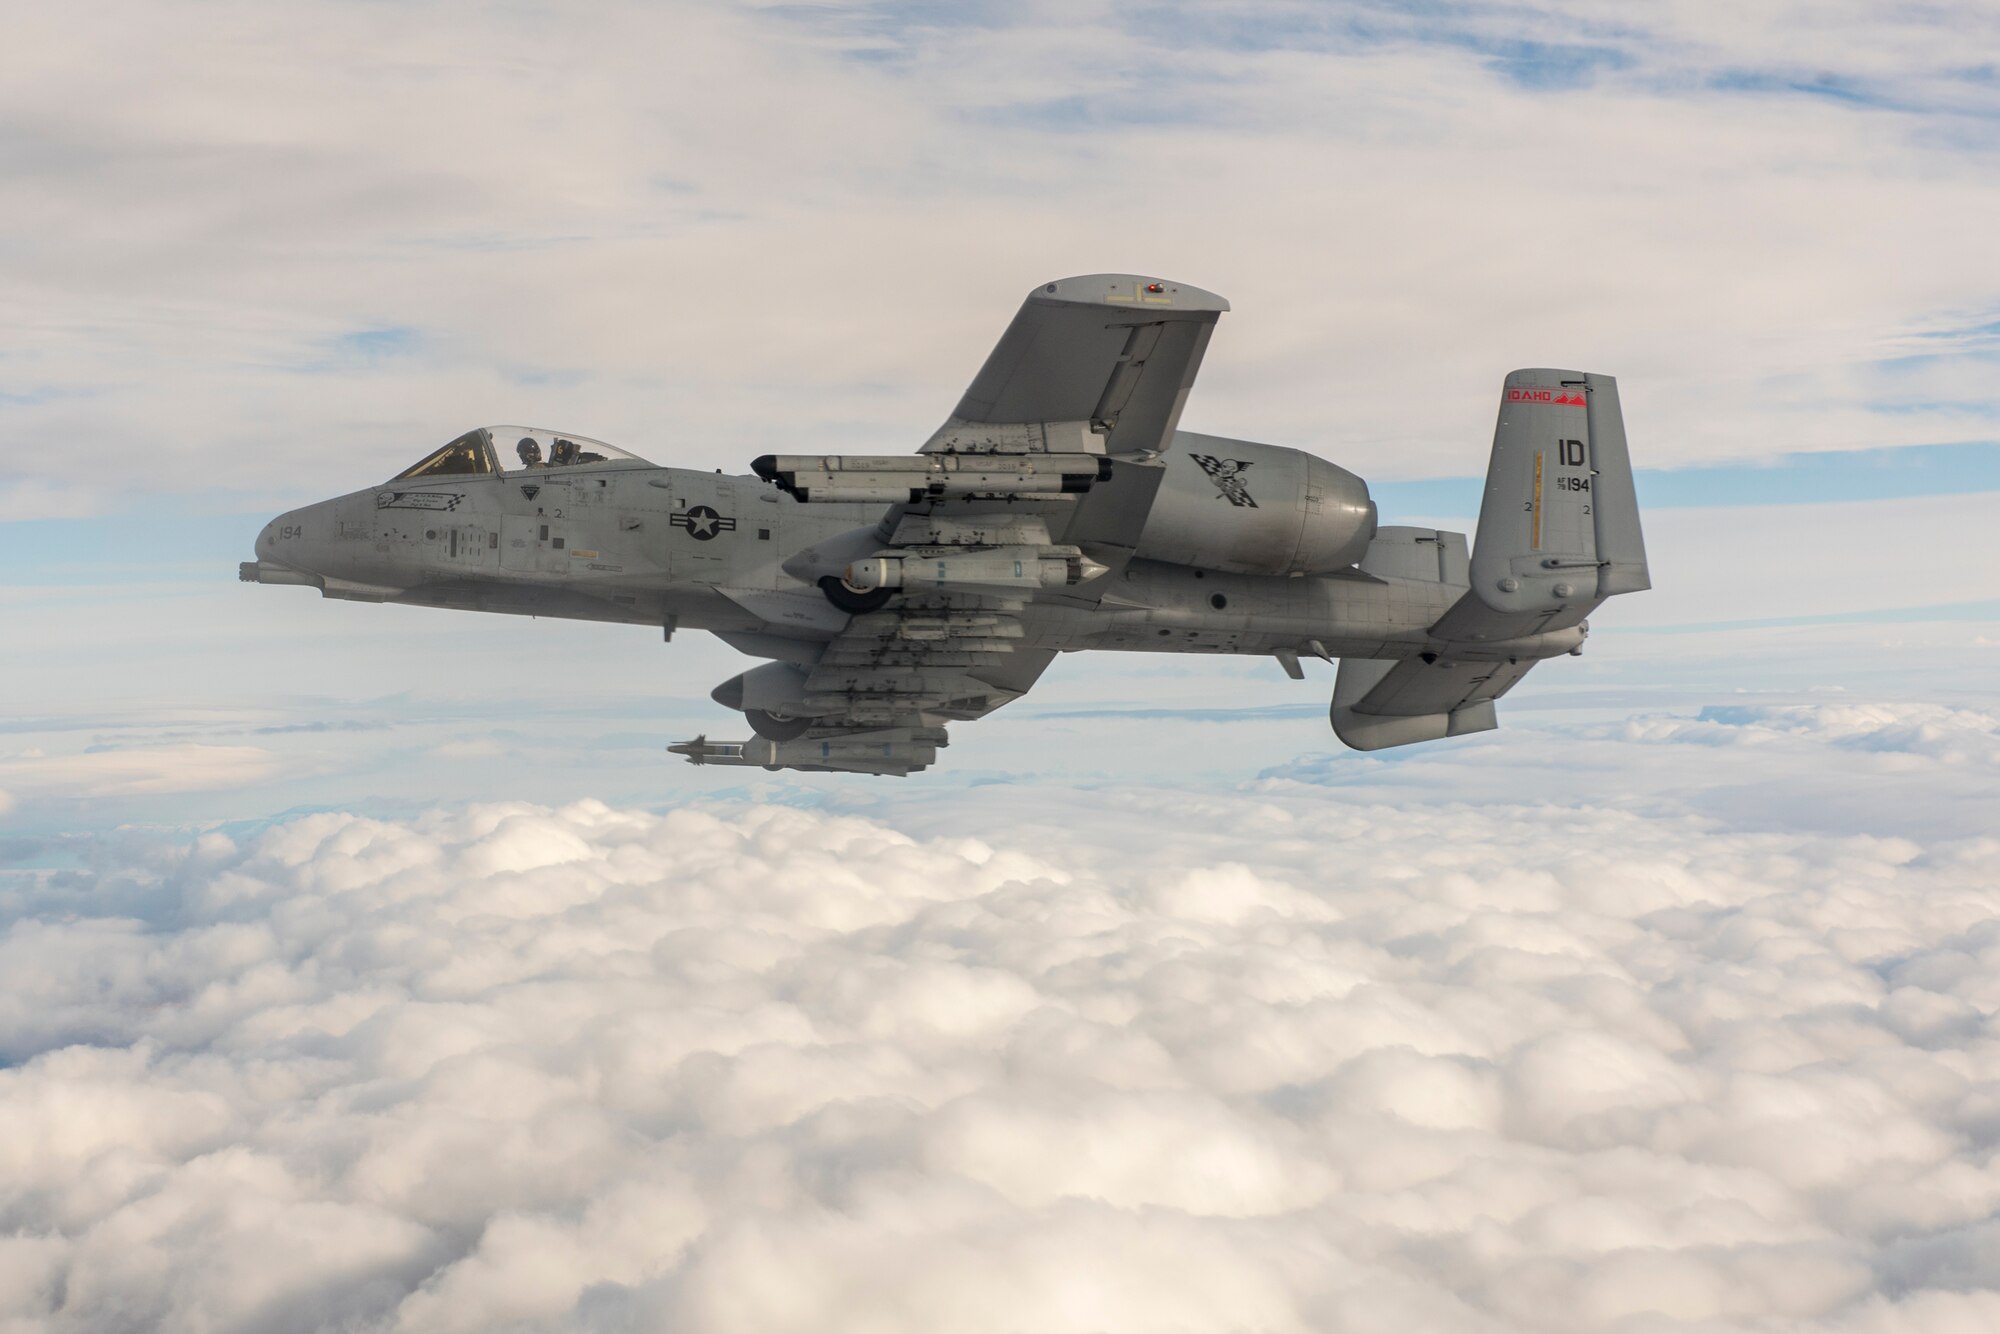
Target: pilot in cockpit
(530, 451)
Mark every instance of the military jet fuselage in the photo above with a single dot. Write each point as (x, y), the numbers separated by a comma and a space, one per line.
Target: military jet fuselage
(1059, 509)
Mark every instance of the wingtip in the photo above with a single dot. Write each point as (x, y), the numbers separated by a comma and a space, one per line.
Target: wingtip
(1130, 289)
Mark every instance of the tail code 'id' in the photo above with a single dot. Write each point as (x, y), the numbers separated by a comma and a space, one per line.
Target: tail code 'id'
(1559, 524)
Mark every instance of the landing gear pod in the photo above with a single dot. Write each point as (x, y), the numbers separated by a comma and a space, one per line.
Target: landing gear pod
(772, 697)
(854, 601)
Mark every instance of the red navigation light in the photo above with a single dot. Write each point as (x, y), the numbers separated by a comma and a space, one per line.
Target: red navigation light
(1154, 287)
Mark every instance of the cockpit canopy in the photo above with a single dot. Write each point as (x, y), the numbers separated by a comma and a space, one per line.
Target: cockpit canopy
(491, 451)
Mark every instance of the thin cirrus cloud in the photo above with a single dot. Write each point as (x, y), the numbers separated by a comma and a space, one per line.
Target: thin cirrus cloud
(137, 771)
(1285, 1057)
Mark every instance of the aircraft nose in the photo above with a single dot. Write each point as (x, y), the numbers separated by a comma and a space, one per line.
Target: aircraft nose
(287, 539)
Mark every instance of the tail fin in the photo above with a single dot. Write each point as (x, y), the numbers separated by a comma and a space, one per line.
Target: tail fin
(1559, 525)
(1558, 533)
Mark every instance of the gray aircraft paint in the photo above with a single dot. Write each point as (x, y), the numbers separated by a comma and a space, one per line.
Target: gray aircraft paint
(1002, 545)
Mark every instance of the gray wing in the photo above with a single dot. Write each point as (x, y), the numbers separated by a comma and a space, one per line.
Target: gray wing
(1109, 356)
(1032, 494)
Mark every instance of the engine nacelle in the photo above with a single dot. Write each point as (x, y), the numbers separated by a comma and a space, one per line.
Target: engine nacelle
(1247, 508)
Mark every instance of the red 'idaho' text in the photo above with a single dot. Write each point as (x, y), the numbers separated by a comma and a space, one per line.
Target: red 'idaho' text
(1561, 398)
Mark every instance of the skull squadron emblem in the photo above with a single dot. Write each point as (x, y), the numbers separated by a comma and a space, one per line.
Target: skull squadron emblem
(1227, 474)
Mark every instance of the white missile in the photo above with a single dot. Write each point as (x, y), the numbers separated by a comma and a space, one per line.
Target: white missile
(996, 567)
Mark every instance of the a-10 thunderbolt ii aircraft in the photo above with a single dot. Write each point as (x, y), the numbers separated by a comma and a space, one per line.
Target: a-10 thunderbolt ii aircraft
(1059, 508)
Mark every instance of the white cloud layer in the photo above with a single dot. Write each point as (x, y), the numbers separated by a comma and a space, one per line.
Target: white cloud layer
(1283, 1059)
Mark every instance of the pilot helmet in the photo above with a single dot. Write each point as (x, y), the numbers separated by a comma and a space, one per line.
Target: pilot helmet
(529, 449)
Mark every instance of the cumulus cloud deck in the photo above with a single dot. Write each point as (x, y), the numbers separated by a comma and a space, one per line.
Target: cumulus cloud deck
(1493, 1066)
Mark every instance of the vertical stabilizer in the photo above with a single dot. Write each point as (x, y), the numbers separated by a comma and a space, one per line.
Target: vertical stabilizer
(1559, 524)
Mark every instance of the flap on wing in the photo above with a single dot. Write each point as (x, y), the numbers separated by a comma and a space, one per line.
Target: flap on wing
(1108, 356)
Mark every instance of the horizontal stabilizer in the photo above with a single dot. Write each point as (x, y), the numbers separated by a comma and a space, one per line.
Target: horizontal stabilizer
(1382, 702)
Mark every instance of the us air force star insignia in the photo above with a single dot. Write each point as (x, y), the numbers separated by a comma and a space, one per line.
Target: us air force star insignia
(1227, 474)
(702, 523)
